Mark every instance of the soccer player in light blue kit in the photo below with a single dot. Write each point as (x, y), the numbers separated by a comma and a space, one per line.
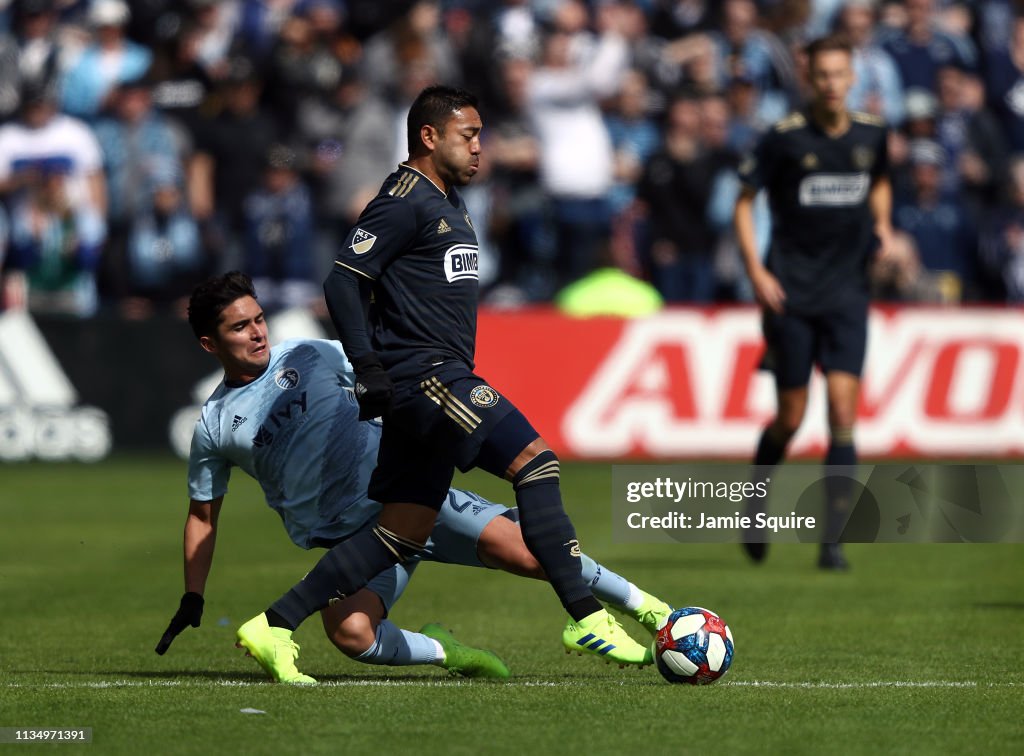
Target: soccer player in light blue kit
(287, 417)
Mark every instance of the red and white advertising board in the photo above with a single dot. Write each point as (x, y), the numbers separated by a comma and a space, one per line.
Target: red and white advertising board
(684, 384)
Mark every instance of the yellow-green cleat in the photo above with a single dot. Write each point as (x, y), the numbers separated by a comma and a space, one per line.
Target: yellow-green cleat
(601, 634)
(460, 659)
(651, 613)
(274, 650)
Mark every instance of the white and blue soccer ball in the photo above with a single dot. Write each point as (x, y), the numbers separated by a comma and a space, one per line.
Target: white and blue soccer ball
(693, 646)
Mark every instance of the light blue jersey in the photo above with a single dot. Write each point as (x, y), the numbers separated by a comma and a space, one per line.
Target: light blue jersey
(295, 430)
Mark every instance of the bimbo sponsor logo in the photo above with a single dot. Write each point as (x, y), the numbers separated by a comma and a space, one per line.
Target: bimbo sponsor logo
(834, 189)
(461, 261)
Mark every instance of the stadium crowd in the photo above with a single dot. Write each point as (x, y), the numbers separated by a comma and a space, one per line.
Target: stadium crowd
(146, 145)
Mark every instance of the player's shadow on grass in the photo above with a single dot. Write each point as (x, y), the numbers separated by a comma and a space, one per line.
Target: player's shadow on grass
(1011, 605)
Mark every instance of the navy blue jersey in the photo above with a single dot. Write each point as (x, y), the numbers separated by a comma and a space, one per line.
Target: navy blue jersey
(818, 188)
(418, 246)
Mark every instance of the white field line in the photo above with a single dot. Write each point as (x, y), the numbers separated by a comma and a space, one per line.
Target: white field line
(385, 683)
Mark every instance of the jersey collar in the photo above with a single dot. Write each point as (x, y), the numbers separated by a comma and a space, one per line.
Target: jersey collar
(414, 170)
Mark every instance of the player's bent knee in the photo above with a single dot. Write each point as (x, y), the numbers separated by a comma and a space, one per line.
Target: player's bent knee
(501, 547)
(543, 468)
(355, 635)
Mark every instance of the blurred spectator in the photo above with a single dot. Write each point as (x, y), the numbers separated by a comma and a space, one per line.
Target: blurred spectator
(349, 146)
(634, 136)
(279, 234)
(163, 257)
(673, 19)
(1005, 82)
(994, 25)
(415, 36)
(744, 126)
(922, 47)
(674, 189)
(1002, 241)
(260, 22)
(139, 145)
(576, 156)
(109, 60)
(231, 147)
(136, 141)
(899, 276)
(55, 243)
(971, 137)
(181, 85)
(30, 53)
(743, 49)
(215, 23)
(303, 66)
(877, 87)
(41, 133)
(524, 240)
(938, 222)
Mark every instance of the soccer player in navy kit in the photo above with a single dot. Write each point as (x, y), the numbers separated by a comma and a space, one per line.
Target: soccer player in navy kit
(824, 169)
(403, 298)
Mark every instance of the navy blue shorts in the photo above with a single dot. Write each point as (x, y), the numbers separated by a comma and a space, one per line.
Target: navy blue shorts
(797, 342)
(433, 427)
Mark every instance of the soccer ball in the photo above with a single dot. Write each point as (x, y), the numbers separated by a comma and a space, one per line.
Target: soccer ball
(693, 646)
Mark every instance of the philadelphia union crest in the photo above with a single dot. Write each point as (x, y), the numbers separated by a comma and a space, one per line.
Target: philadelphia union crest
(483, 396)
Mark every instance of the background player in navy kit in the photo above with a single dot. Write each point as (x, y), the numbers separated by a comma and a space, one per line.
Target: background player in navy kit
(408, 270)
(825, 173)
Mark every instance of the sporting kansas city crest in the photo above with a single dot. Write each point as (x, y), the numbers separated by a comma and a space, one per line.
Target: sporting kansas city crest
(362, 241)
(287, 378)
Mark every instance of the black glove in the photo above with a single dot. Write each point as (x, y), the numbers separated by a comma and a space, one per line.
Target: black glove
(373, 387)
(190, 612)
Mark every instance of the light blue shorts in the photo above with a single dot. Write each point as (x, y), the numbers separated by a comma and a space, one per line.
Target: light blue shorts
(462, 519)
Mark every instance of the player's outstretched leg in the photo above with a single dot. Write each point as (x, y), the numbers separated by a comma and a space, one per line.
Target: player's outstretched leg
(460, 659)
(274, 650)
(551, 538)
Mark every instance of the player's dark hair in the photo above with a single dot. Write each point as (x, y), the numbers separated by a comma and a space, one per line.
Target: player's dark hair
(433, 107)
(830, 43)
(210, 298)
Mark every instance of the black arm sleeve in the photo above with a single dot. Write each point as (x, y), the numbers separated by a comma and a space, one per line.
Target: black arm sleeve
(348, 301)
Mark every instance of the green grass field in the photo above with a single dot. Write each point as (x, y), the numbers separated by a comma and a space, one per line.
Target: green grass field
(919, 649)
